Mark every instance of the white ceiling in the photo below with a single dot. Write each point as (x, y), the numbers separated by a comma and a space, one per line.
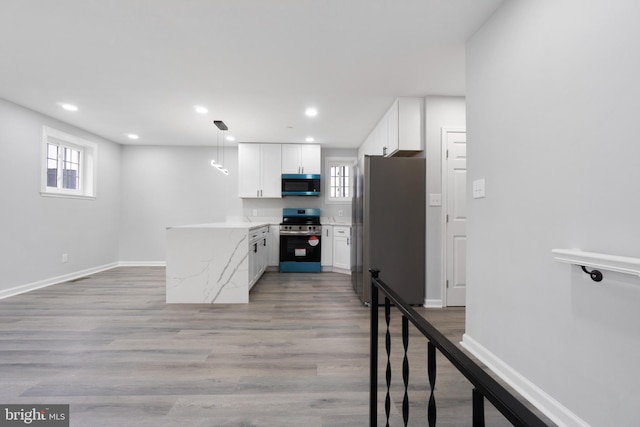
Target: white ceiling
(140, 66)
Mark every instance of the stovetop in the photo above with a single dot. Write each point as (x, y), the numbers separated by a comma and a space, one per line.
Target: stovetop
(291, 216)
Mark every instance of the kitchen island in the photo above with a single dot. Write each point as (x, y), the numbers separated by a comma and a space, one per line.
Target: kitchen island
(215, 263)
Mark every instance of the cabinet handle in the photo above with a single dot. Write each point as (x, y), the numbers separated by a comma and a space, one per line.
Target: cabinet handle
(257, 193)
(348, 241)
(384, 151)
(327, 232)
(264, 243)
(255, 247)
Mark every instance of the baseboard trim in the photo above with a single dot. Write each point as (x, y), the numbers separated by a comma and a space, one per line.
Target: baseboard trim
(332, 269)
(433, 303)
(553, 409)
(17, 290)
(142, 264)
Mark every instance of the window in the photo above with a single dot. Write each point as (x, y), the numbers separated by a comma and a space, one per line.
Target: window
(69, 165)
(339, 179)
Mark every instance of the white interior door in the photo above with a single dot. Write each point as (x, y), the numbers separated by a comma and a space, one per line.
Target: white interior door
(455, 142)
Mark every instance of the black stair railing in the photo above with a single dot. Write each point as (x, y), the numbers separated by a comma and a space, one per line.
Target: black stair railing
(484, 386)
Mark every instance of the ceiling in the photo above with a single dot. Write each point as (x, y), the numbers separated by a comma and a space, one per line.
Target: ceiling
(141, 66)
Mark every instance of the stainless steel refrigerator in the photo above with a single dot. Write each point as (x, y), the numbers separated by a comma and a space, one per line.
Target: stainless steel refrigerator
(389, 226)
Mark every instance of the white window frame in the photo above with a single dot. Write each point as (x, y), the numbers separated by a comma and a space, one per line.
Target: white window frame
(88, 164)
(337, 161)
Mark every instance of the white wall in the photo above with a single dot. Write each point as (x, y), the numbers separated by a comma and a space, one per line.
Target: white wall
(440, 112)
(552, 98)
(163, 186)
(37, 230)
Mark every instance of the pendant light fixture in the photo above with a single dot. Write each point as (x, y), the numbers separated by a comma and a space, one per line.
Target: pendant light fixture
(220, 163)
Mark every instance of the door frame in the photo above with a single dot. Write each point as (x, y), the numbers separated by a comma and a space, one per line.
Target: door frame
(444, 207)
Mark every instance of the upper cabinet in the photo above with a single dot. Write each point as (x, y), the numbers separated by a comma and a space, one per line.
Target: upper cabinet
(259, 167)
(301, 158)
(399, 132)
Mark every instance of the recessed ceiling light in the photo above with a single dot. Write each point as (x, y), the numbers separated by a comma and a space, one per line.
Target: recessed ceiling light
(311, 112)
(309, 139)
(68, 107)
(201, 110)
(132, 136)
(230, 138)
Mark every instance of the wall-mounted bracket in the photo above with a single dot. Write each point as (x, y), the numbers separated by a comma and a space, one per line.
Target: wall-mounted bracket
(596, 275)
(598, 262)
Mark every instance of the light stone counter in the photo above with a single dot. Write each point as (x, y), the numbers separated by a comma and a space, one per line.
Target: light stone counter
(339, 221)
(209, 263)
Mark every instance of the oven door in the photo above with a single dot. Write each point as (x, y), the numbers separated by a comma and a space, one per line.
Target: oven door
(299, 253)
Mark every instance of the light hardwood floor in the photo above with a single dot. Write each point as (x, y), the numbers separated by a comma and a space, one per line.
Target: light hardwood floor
(296, 355)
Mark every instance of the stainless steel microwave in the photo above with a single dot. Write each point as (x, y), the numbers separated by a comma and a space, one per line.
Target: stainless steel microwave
(298, 184)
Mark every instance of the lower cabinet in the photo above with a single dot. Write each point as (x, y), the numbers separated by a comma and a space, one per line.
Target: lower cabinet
(258, 253)
(274, 246)
(326, 242)
(342, 248)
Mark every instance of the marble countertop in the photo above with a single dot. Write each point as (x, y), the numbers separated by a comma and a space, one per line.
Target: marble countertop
(343, 222)
(238, 224)
(255, 222)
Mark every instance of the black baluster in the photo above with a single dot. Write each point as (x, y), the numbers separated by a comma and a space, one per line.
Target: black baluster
(431, 370)
(387, 317)
(373, 368)
(405, 370)
(478, 408)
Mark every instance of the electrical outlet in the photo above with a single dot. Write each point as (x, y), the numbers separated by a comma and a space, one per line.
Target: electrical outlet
(435, 199)
(340, 212)
(65, 258)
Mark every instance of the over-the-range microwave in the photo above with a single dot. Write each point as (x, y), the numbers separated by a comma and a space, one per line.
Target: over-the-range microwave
(298, 184)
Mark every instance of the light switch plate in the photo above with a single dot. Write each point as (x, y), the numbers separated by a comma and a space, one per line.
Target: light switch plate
(435, 199)
(478, 188)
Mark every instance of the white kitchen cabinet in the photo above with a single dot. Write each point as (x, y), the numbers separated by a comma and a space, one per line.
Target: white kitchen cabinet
(301, 158)
(392, 143)
(259, 170)
(403, 125)
(274, 246)
(326, 242)
(258, 253)
(374, 148)
(383, 135)
(399, 132)
(342, 247)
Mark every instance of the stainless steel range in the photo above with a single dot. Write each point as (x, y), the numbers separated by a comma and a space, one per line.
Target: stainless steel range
(300, 240)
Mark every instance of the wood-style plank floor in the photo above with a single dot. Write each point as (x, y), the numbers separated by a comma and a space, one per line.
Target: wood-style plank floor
(296, 355)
